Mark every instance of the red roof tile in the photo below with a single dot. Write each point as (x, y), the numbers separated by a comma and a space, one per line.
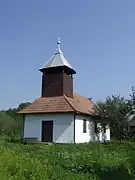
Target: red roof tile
(81, 104)
(59, 104)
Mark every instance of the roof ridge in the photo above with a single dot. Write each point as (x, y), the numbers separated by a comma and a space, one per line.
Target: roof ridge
(69, 103)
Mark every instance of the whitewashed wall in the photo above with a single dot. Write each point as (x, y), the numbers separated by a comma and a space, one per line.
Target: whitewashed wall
(107, 138)
(90, 135)
(103, 136)
(63, 127)
(81, 137)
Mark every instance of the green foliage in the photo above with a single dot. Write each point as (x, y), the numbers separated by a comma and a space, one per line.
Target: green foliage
(10, 122)
(131, 104)
(8, 125)
(113, 111)
(23, 105)
(83, 161)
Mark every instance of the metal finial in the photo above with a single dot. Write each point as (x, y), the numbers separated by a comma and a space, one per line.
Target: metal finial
(58, 51)
(58, 42)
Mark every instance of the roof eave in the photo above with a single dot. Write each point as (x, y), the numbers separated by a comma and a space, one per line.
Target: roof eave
(41, 112)
(65, 68)
(84, 113)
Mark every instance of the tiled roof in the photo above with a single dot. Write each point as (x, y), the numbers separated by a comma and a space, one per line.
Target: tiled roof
(81, 104)
(59, 104)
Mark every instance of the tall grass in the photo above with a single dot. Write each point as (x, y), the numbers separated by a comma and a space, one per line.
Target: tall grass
(94, 161)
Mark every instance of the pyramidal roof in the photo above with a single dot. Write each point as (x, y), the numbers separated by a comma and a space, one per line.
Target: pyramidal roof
(58, 59)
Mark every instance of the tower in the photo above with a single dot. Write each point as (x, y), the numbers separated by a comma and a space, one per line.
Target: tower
(57, 76)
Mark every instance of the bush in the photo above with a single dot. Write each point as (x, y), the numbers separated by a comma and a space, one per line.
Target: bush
(9, 126)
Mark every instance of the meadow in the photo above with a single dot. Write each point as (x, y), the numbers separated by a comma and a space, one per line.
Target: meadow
(93, 161)
(111, 161)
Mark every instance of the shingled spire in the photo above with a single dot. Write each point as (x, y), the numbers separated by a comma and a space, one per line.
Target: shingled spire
(57, 75)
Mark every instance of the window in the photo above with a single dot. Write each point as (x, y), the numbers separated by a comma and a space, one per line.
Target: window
(84, 125)
(104, 128)
(96, 128)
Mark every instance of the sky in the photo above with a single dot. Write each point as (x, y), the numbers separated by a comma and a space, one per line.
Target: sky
(97, 38)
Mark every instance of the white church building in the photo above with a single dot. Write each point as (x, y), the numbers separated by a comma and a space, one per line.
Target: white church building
(60, 115)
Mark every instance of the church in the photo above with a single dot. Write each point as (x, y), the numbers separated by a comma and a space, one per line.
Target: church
(59, 115)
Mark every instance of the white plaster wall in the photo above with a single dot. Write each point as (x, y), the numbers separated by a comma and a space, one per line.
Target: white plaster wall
(90, 135)
(100, 135)
(63, 126)
(81, 137)
(103, 136)
(108, 138)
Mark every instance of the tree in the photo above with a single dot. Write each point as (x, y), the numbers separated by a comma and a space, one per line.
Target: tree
(8, 125)
(11, 122)
(23, 105)
(113, 111)
(131, 103)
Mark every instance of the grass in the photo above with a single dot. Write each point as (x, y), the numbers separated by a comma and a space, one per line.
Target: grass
(112, 161)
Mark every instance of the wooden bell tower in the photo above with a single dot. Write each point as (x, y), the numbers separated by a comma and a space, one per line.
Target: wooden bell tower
(57, 76)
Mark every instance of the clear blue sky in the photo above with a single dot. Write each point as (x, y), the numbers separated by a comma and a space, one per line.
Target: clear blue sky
(98, 39)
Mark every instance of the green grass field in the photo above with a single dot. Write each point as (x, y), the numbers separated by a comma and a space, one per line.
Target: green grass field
(112, 161)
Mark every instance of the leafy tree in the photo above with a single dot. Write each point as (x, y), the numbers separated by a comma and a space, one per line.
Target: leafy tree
(113, 111)
(131, 103)
(8, 125)
(23, 105)
(11, 122)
